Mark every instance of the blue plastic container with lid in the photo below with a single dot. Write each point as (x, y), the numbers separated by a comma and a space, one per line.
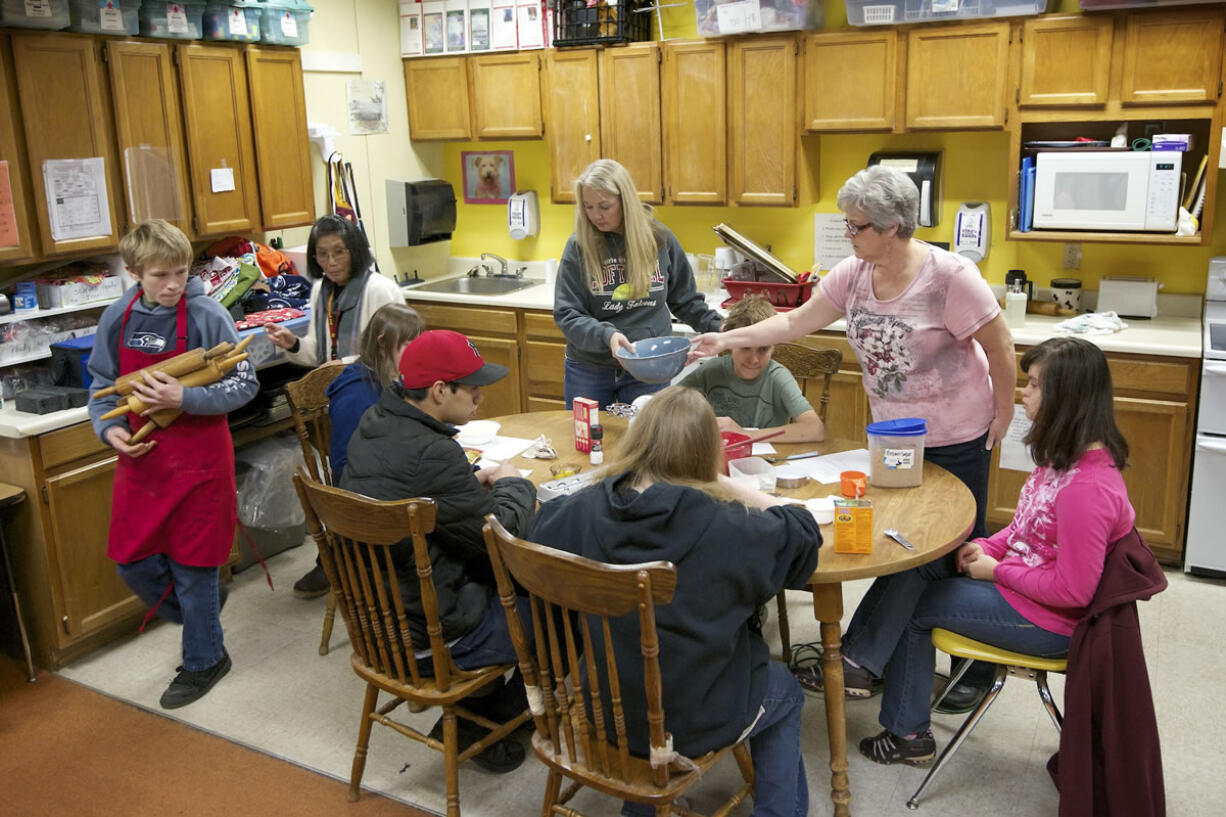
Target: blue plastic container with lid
(896, 452)
(234, 21)
(285, 22)
(105, 16)
(48, 14)
(172, 21)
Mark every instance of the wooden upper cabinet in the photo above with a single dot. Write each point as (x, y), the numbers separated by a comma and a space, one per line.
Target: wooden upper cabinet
(437, 91)
(149, 132)
(863, 100)
(572, 117)
(763, 134)
(1066, 61)
(695, 114)
(956, 76)
(17, 243)
(1173, 57)
(630, 115)
(506, 95)
(65, 107)
(282, 148)
(219, 147)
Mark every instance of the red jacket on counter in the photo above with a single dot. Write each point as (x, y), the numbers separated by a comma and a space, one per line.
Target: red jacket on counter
(1109, 763)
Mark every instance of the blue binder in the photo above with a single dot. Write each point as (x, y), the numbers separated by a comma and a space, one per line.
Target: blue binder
(1026, 195)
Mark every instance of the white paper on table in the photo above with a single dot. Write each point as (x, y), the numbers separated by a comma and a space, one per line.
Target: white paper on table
(1014, 454)
(762, 448)
(77, 197)
(826, 469)
(830, 242)
(503, 448)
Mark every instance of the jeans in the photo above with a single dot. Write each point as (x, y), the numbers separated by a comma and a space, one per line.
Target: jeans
(603, 385)
(891, 634)
(489, 643)
(780, 788)
(193, 602)
(969, 462)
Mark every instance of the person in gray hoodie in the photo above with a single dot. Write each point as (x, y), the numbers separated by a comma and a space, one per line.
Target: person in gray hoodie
(735, 548)
(622, 277)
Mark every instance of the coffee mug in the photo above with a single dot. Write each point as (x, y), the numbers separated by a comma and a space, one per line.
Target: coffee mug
(1066, 292)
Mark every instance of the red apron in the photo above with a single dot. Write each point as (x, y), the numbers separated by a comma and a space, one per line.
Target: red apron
(179, 498)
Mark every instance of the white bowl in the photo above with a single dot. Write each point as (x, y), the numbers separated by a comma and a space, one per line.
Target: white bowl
(477, 432)
(822, 508)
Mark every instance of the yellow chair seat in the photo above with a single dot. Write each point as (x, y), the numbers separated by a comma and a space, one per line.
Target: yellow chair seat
(963, 647)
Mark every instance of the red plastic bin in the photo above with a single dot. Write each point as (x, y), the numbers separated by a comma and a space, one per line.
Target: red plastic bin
(779, 295)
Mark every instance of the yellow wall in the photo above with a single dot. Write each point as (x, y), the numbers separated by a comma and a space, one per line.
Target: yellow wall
(974, 168)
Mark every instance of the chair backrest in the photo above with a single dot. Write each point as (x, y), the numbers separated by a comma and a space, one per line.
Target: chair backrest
(569, 594)
(806, 363)
(355, 535)
(308, 405)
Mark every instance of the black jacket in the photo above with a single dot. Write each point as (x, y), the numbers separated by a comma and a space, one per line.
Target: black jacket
(729, 560)
(399, 451)
(1109, 763)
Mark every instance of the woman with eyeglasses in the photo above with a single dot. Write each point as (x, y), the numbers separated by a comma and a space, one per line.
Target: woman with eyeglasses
(926, 329)
(347, 291)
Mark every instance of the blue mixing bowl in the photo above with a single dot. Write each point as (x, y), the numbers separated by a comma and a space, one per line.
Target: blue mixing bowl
(655, 360)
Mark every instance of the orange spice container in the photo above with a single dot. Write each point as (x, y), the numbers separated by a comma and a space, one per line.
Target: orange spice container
(853, 515)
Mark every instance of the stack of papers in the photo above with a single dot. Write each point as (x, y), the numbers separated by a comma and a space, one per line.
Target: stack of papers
(826, 469)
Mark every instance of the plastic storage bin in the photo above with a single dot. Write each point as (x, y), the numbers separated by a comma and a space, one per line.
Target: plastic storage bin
(173, 21)
(237, 21)
(285, 22)
(714, 18)
(105, 16)
(577, 23)
(781, 296)
(51, 14)
(892, 12)
(896, 452)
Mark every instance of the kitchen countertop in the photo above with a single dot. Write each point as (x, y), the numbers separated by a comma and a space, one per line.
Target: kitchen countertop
(1171, 336)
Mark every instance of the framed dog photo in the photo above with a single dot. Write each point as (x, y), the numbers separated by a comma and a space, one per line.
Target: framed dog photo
(489, 176)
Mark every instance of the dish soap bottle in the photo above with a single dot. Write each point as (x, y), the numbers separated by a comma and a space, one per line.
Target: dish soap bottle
(1015, 305)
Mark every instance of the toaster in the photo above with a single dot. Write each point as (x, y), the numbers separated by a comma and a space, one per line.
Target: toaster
(1129, 296)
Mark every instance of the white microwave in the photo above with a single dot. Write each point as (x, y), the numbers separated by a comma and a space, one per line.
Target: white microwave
(1107, 190)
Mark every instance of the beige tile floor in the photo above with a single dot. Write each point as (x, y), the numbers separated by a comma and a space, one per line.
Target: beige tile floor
(284, 699)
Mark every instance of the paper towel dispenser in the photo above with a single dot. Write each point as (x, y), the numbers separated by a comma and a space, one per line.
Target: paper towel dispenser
(924, 169)
(419, 212)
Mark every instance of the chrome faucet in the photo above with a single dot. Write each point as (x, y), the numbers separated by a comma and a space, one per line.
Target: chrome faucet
(504, 269)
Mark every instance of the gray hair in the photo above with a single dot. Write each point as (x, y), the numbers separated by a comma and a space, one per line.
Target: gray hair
(886, 195)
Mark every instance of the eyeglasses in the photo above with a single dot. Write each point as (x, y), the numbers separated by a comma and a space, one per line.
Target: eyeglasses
(323, 257)
(856, 228)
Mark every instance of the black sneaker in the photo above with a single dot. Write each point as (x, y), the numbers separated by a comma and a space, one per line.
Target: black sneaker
(506, 755)
(961, 699)
(189, 687)
(889, 748)
(313, 585)
(857, 681)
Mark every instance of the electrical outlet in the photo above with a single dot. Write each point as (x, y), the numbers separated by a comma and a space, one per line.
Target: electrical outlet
(1072, 256)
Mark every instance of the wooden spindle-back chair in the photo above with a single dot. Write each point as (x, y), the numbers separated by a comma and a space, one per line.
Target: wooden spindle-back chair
(308, 406)
(572, 676)
(355, 535)
(806, 364)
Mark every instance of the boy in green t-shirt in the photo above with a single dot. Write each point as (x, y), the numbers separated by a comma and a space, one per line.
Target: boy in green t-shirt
(749, 390)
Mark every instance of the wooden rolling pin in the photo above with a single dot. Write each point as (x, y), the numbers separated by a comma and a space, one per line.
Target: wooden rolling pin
(164, 417)
(212, 371)
(176, 366)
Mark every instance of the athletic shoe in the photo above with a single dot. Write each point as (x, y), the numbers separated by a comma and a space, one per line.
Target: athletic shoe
(857, 681)
(189, 687)
(313, 585)
(888, 748)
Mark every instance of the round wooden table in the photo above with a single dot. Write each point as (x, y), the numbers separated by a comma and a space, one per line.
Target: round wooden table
(935, 517)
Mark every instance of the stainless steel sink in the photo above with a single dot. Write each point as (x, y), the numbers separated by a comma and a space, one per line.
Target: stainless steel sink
(466, 285)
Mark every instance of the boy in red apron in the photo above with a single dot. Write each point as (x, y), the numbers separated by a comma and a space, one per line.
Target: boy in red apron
(173, 509)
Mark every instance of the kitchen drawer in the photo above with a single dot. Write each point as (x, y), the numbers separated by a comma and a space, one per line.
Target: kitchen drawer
(1147, 374)
(68, 444)
(466, 319)
(541, 325)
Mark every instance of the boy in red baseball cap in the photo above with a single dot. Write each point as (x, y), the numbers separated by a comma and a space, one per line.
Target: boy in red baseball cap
(404, 447)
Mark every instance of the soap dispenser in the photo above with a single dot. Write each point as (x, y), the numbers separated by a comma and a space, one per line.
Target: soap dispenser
(1015, 305)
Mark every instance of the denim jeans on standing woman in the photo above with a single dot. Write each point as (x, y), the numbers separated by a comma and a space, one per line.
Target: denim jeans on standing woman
(780, 787)
(891, 634)
(969, 462)
(193, 602)
(605, 386)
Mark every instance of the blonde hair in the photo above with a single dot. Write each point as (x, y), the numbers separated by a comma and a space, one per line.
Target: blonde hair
(675, 439)
(152, 242)
(746, 312)
(642, 247)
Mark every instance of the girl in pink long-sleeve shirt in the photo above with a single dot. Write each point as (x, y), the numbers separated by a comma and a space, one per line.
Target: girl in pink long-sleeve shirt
(1025, 587)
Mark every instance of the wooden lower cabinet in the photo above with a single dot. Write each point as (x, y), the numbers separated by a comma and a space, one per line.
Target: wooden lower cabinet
(544, 362)
(1155, 398)
(495, 332)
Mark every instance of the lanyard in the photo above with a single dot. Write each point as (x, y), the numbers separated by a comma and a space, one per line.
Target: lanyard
(334, 323)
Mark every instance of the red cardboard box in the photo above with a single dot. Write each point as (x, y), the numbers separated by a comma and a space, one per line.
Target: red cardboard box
(587, 414)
